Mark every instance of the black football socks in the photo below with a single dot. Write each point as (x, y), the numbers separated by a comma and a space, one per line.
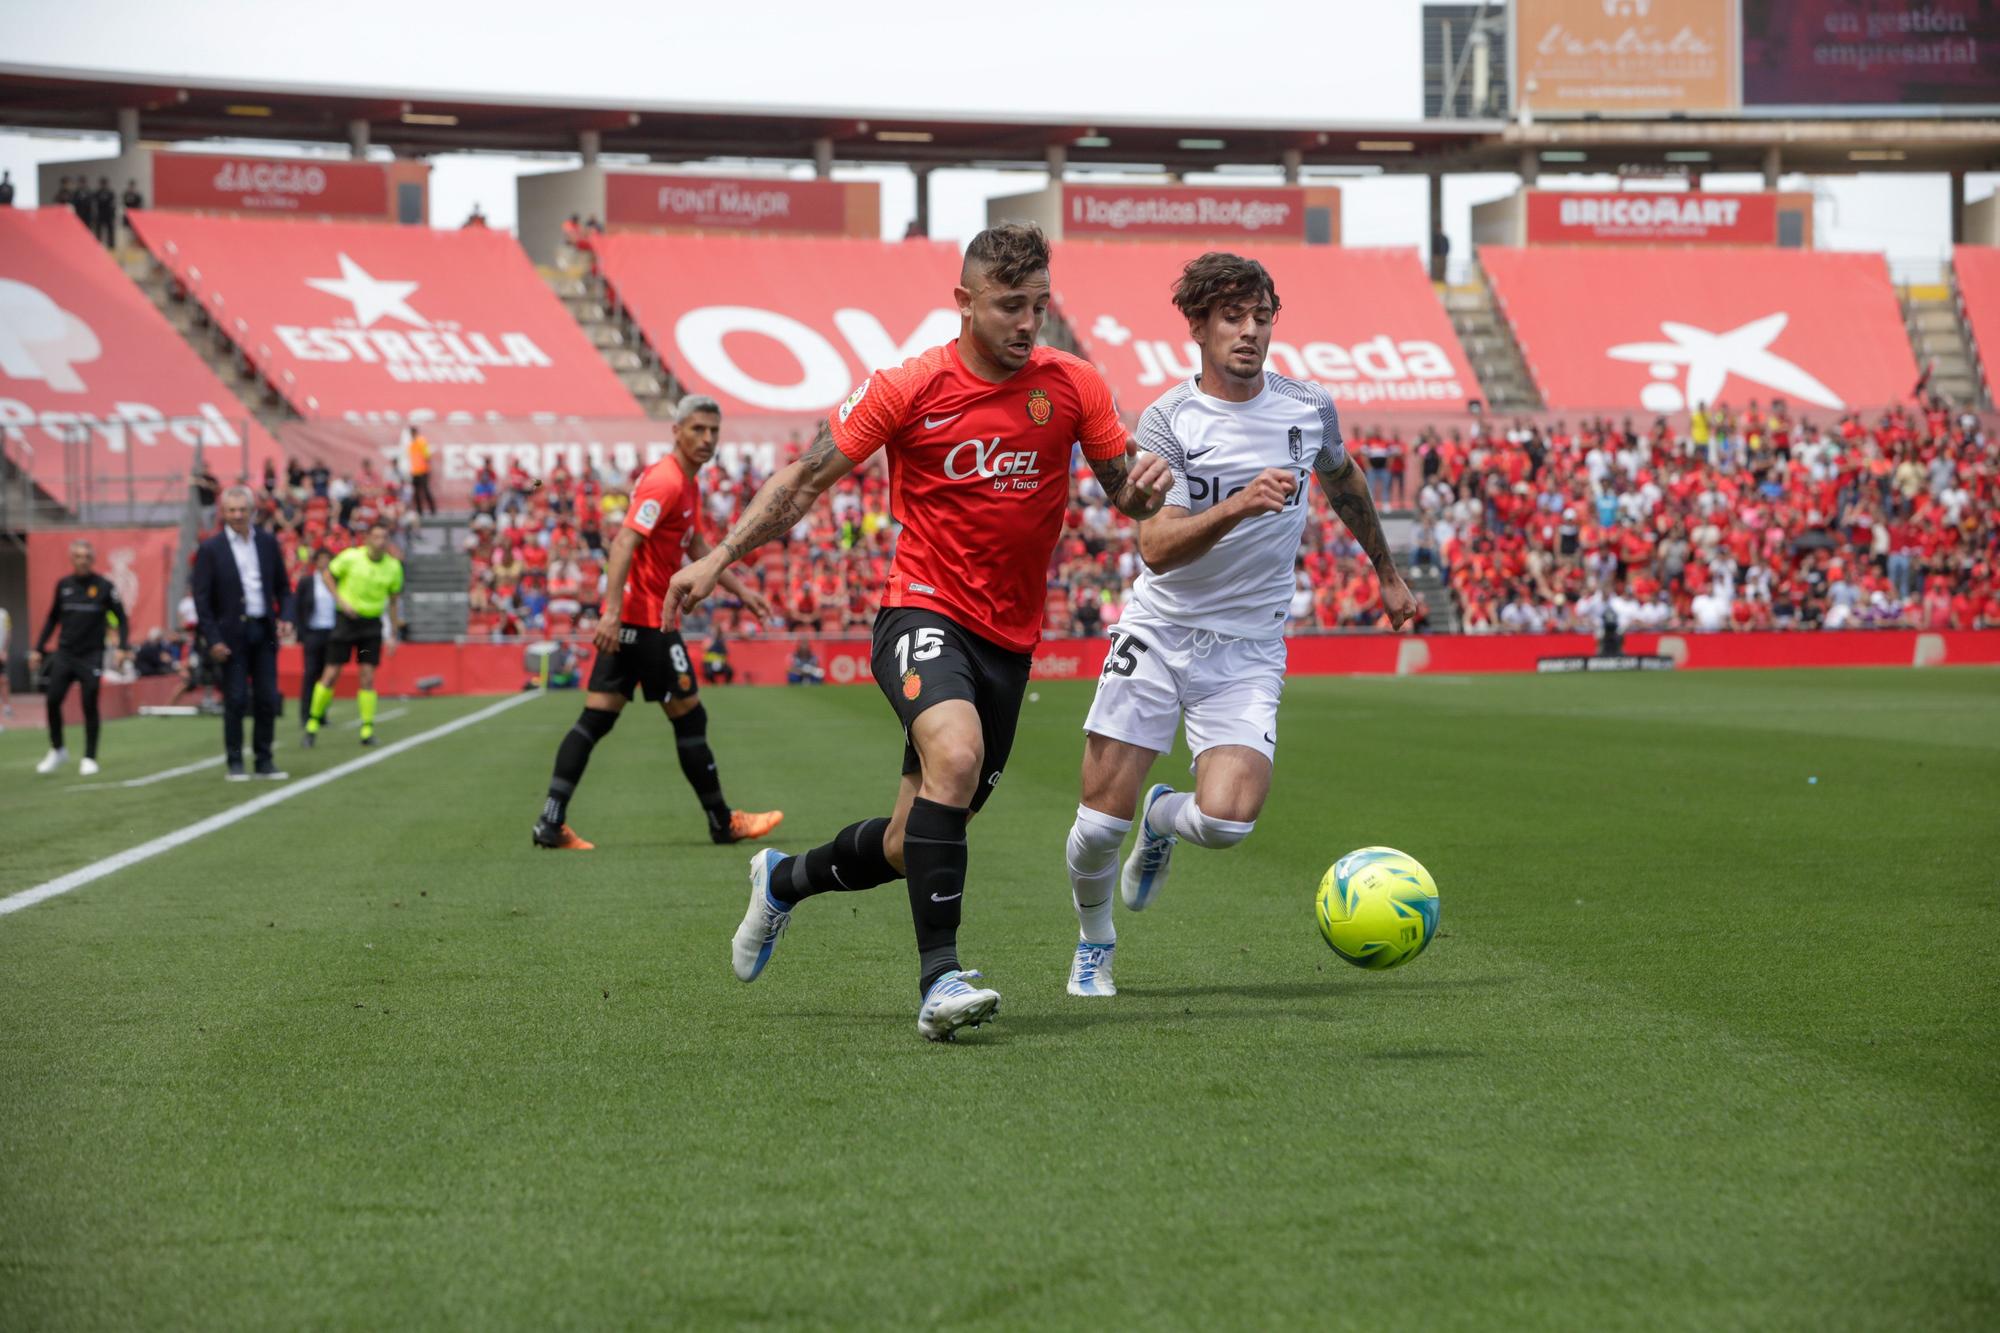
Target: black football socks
(934, 853)
(572, 757)
(698, 766)
(853, 861)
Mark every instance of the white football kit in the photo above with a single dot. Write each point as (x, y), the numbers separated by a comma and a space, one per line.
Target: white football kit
(1205, 641)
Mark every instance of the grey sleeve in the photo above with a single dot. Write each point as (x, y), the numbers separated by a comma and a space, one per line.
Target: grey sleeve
(1156, 436)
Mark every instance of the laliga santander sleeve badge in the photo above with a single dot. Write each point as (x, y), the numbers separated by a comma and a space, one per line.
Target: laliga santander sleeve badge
(1040, 409)
(855, 399)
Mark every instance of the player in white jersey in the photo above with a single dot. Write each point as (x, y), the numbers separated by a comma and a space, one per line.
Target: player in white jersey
(1202, 639)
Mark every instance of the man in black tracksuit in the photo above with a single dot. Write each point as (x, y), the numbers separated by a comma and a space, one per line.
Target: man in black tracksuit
(84, 606)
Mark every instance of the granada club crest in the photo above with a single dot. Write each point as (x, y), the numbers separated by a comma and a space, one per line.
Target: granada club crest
(1295, 439)
(1040, 409)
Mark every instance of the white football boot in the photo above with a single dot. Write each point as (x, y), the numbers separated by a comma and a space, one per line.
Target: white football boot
(55, 760)
(763, 923)
(1145, 872)
(954, 1003)
(1090, 969)
(88, 768)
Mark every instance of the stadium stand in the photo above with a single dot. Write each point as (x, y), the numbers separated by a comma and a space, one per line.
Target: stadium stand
(1977, 268)
(1365, 323)
(778, 329)
(1669, 327)
(370, 321)
(94, 383)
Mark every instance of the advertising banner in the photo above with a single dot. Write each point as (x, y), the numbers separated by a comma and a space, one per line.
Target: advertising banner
(1645, 218)
(1184, 211)
(138, 561)
(270, 185)
(1873, 52)
(1579, 57)
(633, 199)
(383, 323)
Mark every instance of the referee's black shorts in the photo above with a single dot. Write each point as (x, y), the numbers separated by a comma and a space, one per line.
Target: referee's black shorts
(354, 637)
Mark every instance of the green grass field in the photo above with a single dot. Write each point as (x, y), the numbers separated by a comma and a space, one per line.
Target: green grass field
(1703, 1044)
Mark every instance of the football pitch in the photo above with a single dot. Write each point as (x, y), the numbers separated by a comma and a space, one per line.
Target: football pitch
(1710, 1038)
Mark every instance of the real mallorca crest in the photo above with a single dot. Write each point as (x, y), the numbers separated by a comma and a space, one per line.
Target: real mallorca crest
(913, 685)
(1040, 409)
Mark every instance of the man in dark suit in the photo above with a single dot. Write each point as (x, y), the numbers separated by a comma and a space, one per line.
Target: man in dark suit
(313, 612)
(239, 596)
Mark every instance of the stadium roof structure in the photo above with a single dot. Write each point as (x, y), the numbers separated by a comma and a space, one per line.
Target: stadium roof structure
(415, 124)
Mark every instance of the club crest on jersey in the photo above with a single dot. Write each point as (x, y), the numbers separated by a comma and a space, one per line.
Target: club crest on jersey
(1295, 439)
(1040, 409)
(913, 685)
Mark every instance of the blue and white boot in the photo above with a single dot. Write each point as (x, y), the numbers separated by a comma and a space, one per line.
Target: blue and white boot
(763, 923)
(1090, 970)
(954, 1003)
(1145, 872)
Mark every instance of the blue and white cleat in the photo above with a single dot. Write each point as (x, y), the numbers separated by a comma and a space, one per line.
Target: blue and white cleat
(763, 923)
(954, 1003)
(1145, 872)
(1090, 970)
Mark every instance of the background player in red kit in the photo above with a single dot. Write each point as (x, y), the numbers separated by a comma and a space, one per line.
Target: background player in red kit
(635, 652)
(979, 433)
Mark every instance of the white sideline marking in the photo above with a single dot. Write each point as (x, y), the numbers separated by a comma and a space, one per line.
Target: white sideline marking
(145, 851)
(199, 764)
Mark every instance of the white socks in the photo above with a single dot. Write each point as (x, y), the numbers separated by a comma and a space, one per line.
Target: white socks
(1094, 841)
(1179, 815)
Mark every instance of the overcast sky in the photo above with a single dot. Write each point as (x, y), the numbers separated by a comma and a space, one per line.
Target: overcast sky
(1334, 60)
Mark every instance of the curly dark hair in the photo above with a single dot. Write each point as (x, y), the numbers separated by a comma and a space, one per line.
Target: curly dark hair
(1218, 277)
(1011, 253)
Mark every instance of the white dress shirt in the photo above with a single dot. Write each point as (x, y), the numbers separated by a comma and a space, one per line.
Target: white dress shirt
(255, 606)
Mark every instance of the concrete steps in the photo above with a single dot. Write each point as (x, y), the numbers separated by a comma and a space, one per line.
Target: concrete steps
(436, 577)
(613, 333)
(1935, 320)
(1489, 344)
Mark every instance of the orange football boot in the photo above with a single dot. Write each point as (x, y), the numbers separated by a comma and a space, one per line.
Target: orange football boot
(746, 827)
(561, 839)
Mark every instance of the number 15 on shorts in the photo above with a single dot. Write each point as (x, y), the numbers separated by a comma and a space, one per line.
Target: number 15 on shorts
(919, 645)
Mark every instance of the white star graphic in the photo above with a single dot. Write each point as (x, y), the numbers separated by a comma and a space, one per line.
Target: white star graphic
(371, 297)
(1108, 329)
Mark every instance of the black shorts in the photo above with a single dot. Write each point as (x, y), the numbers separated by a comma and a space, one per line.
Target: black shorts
(648, 659)
(924, 657)
(356, 638)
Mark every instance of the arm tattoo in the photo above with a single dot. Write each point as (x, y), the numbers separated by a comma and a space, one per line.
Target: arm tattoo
(1347, 491)
(779, 505)
(1110, 474)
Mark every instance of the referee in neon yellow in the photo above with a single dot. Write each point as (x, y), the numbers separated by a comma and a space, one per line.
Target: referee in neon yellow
(364, 582)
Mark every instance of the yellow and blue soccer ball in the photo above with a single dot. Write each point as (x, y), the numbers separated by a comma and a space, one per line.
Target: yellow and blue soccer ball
(1377, 907)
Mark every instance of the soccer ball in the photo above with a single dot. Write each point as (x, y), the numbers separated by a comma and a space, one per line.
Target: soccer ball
(1377, 907)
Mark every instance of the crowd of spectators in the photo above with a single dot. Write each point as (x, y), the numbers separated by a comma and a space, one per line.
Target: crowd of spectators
(1744, 519)
(1737, 519)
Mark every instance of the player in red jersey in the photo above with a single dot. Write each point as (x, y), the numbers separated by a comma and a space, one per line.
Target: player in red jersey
(978, 434)
(634, 650)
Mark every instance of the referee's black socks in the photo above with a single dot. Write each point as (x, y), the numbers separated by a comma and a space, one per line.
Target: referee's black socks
(934, 854)
(572, 757)
(854, 860)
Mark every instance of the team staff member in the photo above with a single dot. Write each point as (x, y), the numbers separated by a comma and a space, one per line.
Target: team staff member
(636, 654)
(364, 582)
(85, 604)
(313, 612)
(239, 591)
